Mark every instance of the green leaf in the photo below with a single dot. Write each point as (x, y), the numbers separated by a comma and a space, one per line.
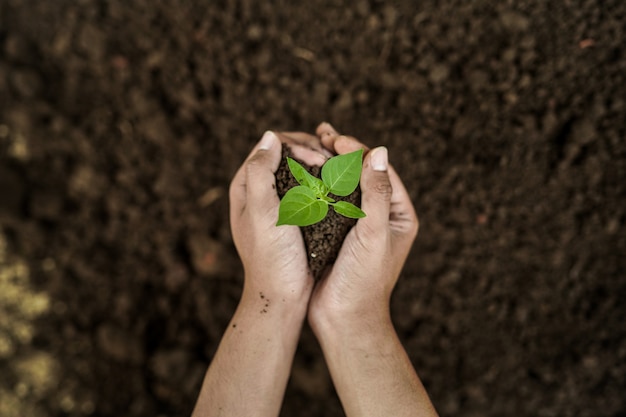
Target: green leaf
(304, 178)
(341, 173)
(300, 207)
(349, 210)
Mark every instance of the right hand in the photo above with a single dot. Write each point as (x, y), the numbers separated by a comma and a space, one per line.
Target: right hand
(360, 282)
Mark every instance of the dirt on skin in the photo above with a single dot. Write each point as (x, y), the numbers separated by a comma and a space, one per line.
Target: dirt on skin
(122, 124)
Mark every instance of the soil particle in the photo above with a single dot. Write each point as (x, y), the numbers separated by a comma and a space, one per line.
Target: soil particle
(12, 195)
(119, 344)
(207, 257)
(514, 21)
(26, 83)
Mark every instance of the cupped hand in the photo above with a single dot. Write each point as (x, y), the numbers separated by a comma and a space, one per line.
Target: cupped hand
(360, 282)
(274, 258)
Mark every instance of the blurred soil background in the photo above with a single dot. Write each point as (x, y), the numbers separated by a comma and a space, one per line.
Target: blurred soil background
(122, 123)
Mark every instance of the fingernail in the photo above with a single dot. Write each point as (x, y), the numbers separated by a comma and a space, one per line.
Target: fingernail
(267, 141)
(379, 159)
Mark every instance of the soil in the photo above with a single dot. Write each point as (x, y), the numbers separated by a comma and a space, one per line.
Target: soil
(323, 239)
(122, 124)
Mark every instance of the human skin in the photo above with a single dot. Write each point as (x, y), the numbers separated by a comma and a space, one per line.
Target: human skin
(250, 369)
(348, 309)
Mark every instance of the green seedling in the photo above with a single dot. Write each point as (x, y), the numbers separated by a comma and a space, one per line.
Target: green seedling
(308, 202)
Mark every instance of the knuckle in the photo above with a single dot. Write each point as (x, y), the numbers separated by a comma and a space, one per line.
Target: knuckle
(254, 165)
(412, 225)
(233, 187)
(255, 161)
(415, 227)
(371, 232)
(367, 232)
(232, 193)
(413, 222)
(405, 224)
(383, 188)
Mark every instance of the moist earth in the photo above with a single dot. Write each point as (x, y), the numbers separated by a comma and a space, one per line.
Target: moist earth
(122, 124)
(322, 240)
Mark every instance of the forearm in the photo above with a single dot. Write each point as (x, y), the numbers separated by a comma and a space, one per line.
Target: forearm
(249, 372)
(371, 370)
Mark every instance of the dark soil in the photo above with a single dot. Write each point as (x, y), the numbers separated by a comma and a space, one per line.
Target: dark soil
(122, 124)
(322, 240)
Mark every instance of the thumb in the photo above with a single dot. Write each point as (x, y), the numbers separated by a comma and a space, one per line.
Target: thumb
(260, 168)
(376, 190)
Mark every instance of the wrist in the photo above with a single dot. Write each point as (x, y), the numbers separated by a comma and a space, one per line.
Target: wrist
(342, 341)
(293, 287)
(271, 303)
(374, 322)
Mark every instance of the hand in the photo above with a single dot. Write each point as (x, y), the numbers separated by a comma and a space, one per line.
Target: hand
(274, 258)
(360, 283)
(349, 308)
(250, 369)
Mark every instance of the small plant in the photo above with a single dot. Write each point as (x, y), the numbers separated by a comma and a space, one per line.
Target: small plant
(308, 203)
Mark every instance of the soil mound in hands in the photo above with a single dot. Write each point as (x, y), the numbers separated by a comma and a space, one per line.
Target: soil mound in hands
(323, 239)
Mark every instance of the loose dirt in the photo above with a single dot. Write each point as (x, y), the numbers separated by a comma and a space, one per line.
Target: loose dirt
(322, 240)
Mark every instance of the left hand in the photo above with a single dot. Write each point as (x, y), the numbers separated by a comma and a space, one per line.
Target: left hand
(274, 258)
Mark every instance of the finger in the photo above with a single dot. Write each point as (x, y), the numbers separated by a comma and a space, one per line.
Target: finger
(342, 144)
(237, 191)
(376, 191)
(302, 151)
(325, 128)
(327, 134)
(306, 140)
(336, 142)
(402, 216)
(259, 172)
(346, 144)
